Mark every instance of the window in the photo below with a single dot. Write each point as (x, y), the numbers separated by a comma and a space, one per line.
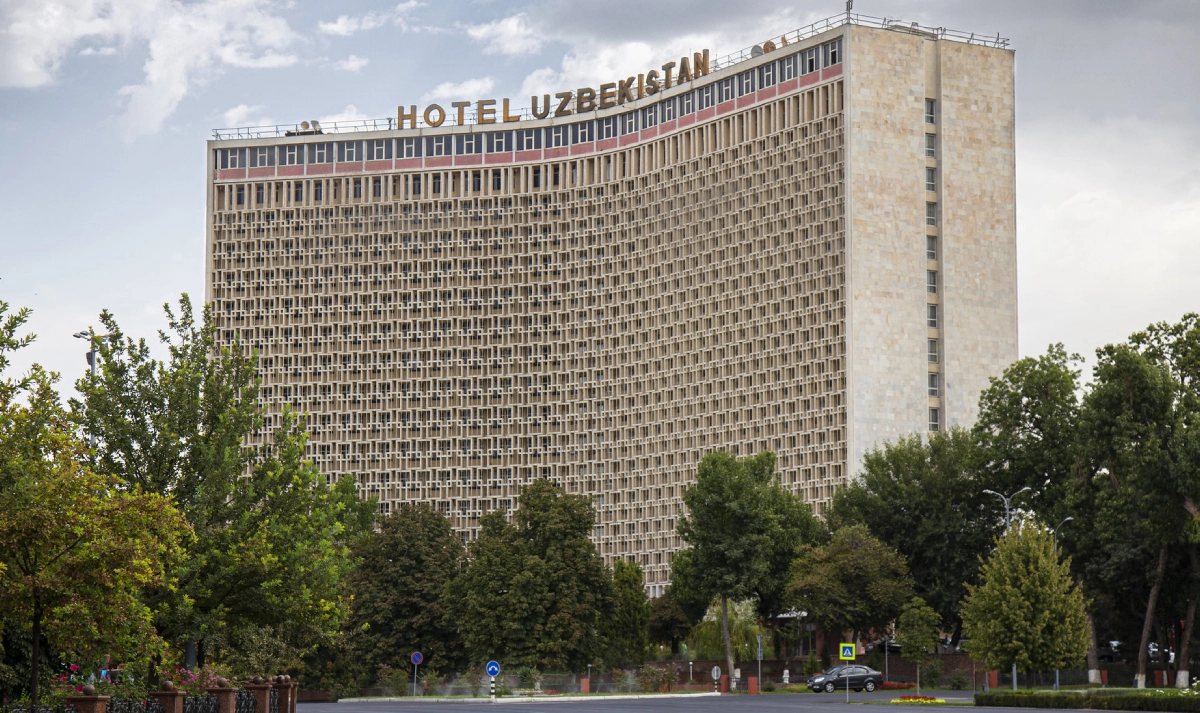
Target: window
(725, 90)
(930, 111)
(318, 190)
(298, 191)
(349, 151)
(650, 116)
(930, 146)
(262, 156)
(766, 75)
(495, 180)
(687, 104)
(233, 158)
(258, 193)
(931, 281)
(933, 384)
(469, 144)
(833, 52)
(931, 179)
(559, 136)
(706, 96)
(358, 188)
(931, 316)
(410, 148)
(629, 123)
(810, 60)
(607, 128)
(377, 187)
(439, 145)
(931, 247)
(291, 155)
(935, 421)
(379, 149)
(500, 142)
(746, 83)
(933, 351)
(583, 132)
(931, 214)
(788, 67)
(320, 153)
(529, 139)
(667, 109)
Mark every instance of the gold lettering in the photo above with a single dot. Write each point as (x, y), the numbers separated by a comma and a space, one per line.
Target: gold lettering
(685, 70)
(533, 106)
(641, 86)
(410, 116)
(460, 106)
(652, 84)
(699, 64)
(585, 99)
(608, 95)
(486, 110)
(509, 117)
(441, 115)
(562, 109)
(624, 90)
(667, 72)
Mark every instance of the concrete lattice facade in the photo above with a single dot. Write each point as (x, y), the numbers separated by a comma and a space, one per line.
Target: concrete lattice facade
(749, 268)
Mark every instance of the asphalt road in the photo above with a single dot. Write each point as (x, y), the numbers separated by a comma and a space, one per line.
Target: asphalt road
(767, 703)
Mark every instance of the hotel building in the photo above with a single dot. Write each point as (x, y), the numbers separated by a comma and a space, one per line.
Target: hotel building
(807, 247)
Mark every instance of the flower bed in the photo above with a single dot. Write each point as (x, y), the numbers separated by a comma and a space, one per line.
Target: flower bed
(918, 700)
(896, 686)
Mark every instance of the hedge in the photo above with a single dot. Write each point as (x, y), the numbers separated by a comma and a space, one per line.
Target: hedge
(1151, 701)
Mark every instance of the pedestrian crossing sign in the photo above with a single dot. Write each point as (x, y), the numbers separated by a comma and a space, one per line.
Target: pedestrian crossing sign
(847, 652)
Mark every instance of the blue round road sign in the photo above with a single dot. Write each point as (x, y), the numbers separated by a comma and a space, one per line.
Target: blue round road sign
(416, 658)
(493, 668)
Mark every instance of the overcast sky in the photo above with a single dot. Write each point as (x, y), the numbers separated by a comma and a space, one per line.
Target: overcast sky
(105, 107)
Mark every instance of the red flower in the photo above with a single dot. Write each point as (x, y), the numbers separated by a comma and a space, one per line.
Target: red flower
(74, 667)
(79, 689)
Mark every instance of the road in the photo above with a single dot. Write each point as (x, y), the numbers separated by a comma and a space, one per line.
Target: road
(767, 703)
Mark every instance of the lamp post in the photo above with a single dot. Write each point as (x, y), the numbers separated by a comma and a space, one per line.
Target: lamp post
(1008, 526)
(1054, 539)
(689, 671)
(94, 342)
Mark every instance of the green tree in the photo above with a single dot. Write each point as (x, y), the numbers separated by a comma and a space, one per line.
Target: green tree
(626, 628)
(918, 632)
(399, 585)
(271, 547)
(1027, 610)
(668, 624)
(854, 583)
(740, 525)
(535, 588)
(75, 551)
(925, 500)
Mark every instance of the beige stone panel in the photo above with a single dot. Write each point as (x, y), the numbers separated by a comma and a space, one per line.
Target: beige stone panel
(886, 263)
(979, 257)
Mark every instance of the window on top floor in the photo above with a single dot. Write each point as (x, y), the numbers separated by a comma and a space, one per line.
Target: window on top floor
(529, 139)
(583, 132)
(410, 148)
(320, 153)
(666, 109)
(466, 144)
(559, 136)
(833, 52)
(439, 145)
(766, 75)
(232, 158)
(706, 96)
(606, 128)
(262, 156)
(725, 90)
(291, 155)
(350, 151)
(500, 142)
(379, 149)
(810, 60)
(629, 123)
(650, 116)
(687, 103)
(789, 67)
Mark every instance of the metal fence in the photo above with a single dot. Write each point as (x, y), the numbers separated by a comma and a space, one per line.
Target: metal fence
(43, 708)
(200, 704)
(726, 60)
(245, 702)
(133, 705)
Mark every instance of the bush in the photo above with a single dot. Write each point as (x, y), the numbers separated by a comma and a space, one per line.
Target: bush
(529, 677)
(957, 680)
(394, 681)
(1148, 701)
(931, 673)
(812, 665)
(768, 686)
(897, 686)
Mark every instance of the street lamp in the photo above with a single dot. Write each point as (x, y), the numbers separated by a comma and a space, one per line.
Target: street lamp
(689, 671)
(91, 360)
(1008, 526)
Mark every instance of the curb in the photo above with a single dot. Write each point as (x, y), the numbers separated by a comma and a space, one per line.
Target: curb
(587, 698)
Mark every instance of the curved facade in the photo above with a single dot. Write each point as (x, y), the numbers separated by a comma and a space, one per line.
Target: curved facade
(744, 261)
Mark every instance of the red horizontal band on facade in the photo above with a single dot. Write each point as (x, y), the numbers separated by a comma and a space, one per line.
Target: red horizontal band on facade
(347, 168)
(582, 148)
(629, 139)
(606, 144)
(439, 162)
(687, 120)
(529, 155)
(230, 174)
(706, 113)
(468, 160)
(834, 71)
(767, 93)
(379, 165)
(649, 133)
(318, 168)
(788, 86)
(724, 107)
(262, 172)
(498, 158)
(291, 170)
(667, 126)
(810, 79)
(408, 163)
(559, 152)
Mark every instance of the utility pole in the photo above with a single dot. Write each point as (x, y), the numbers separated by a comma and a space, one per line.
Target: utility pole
(1008, 526)
(94, 349)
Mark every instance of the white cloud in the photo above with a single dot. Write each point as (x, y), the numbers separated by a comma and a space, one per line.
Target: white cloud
(353, 63)
(469, 90)
(350, 113)
(346, 25)
(102, 51)
(245, 115)
(512, 36)
(186, 41)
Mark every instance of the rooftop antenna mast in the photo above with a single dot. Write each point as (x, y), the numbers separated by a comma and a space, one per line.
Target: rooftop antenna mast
(849, 6)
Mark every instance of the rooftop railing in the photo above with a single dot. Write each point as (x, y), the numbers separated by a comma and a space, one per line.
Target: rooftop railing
(728, 60)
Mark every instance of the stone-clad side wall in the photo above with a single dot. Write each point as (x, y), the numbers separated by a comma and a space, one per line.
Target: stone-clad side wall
(979, 221)
(886, 252)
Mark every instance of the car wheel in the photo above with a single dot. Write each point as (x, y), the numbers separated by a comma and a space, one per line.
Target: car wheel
(829, 687)
(870, 686)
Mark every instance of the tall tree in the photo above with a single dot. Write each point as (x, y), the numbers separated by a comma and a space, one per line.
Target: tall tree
(668, 624)
(626, 628)
(74, 550)
(925, 500)
(740, 525)
(399, 584)
(535, 588)
(1027, 610)
(918, 632)
(854, 583)
(271, 537)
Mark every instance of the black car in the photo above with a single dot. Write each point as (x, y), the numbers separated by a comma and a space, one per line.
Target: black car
(860, 678)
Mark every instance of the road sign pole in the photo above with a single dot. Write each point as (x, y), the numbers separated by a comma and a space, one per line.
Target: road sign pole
(493, 694)
(415, 665)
